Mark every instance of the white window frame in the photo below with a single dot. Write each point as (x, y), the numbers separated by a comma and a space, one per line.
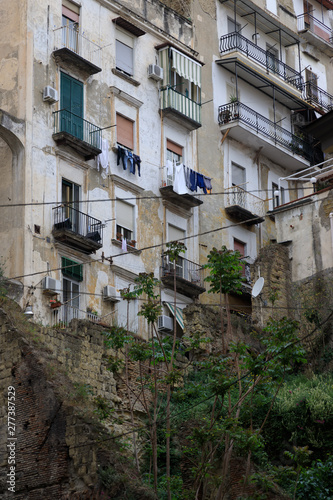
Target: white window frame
(125, 44)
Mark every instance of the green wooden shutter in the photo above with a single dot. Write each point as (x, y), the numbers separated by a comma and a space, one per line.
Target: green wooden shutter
(75, 271)
(65, 92)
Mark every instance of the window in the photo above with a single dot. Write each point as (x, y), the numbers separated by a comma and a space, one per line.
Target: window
(125, 132)
(238, 180)
(233, 26)
(175, 156)
(311, 85)
(71, 105)
(70, 25)
(174, 152)
(241, 247)
(125, 221)
(308, 18)
(177, 234)
(124, 52)
(280, 198)
(185, 87)
(72, 275)
(70, 198)
(272, 58)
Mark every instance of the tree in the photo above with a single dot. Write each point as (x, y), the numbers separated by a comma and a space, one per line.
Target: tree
(225, 277)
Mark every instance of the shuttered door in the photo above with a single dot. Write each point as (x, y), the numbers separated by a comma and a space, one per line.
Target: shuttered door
(71, 102)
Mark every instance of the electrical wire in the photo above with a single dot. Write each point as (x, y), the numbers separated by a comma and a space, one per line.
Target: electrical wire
(138, 198)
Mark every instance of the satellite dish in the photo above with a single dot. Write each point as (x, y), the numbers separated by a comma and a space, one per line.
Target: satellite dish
(257, 287)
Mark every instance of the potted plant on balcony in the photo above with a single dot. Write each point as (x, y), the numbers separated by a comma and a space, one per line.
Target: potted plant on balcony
(55, 303)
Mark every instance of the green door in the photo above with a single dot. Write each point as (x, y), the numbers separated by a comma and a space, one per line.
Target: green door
(71, 102)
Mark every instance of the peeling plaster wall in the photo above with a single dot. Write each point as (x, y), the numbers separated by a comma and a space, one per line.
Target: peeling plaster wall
(31, 65)
(306, 225)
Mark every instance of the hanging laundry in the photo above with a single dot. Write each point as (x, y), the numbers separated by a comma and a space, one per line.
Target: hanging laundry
(103, 157)
(208, 184)
(188, 177)
(193, 180)
(200, 182)
(137, 161)
(179, 184)
(124, 245)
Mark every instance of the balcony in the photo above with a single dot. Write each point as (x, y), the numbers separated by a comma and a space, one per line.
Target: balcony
(72, 130)
(189, 276)
(244, 206)
(187, 200)
(281, 146)
(180, 108)
(76, 229)
(317, 97)
(267, 61)
(72, 48)
(315, 32)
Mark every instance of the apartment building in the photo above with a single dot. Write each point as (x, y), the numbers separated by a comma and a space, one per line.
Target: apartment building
(100, 106)
(268, 72)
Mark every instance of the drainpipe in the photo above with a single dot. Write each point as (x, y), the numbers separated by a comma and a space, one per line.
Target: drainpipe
(331, 224)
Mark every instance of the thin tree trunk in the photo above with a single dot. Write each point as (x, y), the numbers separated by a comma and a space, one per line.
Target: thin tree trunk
(129, 397)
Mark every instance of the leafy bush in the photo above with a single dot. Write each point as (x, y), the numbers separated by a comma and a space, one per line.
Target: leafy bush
(316, 482)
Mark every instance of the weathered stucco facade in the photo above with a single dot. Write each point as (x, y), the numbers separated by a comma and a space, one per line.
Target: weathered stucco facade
(82, 86)
(49, 156)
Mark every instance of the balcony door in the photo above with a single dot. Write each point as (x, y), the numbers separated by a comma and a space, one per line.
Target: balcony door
(71, 103)
(177, 234)
(70, 198)
(311, 86)
(70, 26)
(272, 58)
(308, 15)
(241, 247)
(238, 181)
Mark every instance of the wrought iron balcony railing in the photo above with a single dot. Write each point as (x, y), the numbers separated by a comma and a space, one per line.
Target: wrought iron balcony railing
(185, 269)
(307, 22)
(67, 122)
(317, 96)
(70, 38)
(68, 219)
(260, 124)
(236, 41)
(238, 196)
(171, 98)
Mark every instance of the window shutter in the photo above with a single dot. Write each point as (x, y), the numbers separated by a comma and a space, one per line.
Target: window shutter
(171, 146)
(125, 132)
(124, 215)
(238, 176)
(75, 271)
(175, 234)
(77, 98)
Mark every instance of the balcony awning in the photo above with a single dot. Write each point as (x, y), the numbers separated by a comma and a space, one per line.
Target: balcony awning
(251, 12)
(186, 67)
(288, 97)
(179, 314)
(183, 65)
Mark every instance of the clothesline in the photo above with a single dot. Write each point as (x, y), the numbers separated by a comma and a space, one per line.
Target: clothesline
(185, 178)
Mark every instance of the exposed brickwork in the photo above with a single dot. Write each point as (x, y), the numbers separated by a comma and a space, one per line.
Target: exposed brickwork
(273, 264)
(56, 450)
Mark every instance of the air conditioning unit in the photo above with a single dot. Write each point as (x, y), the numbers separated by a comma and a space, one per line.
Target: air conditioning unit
(298, 119)
(155, 72)
(110, 294)
(50, 94)
(165, 324)
(50, 285)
